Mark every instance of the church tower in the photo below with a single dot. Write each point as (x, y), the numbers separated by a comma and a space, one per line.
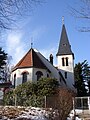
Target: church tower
(65, 58)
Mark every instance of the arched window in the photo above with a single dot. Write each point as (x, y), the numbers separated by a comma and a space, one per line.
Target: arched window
(47, 75)
(14, 80)
(24, 77)
(39, 74)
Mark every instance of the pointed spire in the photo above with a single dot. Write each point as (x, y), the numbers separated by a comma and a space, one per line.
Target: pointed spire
(64, 46)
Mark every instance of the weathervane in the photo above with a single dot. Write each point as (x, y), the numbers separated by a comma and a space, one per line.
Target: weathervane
(31, 42)
(62, 19)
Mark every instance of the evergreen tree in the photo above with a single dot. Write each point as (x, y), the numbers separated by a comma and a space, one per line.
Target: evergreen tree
(3, 58)
(81, 72)
(47, 86)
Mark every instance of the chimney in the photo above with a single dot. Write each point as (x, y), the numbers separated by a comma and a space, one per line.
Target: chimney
(51, 59)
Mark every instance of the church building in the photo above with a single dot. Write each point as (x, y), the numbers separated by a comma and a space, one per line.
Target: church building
(34, 65)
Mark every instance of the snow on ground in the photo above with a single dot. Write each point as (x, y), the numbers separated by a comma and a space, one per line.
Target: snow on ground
(35, 114)
(26, 113)
(76, 118)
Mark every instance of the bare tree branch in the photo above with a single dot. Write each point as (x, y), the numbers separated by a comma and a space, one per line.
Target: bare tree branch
(9, 9)
(82, 13)
(84, 29)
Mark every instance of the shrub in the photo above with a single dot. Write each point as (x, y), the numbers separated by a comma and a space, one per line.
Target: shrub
(32, 94)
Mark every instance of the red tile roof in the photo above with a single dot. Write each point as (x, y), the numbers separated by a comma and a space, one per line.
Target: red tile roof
(31, 59)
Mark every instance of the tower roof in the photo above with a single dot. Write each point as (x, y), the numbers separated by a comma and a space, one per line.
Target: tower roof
(64, 46)
(31, 59)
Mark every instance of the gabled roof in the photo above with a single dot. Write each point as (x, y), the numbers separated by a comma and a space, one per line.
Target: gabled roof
(64, 46)
(31, 59)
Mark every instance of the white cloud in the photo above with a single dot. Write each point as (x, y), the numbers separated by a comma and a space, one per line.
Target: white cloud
(15, 47)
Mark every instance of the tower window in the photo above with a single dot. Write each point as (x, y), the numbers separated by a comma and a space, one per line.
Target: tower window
(63, 64)
(39, 74)
(66, 61)
(65, 75)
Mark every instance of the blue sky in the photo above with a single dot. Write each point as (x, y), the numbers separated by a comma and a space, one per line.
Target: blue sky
(43, 27)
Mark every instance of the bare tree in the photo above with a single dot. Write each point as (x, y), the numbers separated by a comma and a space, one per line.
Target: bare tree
(9, 9)
(62, 101)
(82, 12)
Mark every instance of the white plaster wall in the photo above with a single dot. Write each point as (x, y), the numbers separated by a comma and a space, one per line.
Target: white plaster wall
(18, 77)
(44, 71)
(30, 77)
(18, 73)
(69, 69)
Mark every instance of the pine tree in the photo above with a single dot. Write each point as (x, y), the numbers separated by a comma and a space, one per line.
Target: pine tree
(81, 72)
(3, 58)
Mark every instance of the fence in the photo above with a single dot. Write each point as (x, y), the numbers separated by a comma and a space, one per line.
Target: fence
(82, 103)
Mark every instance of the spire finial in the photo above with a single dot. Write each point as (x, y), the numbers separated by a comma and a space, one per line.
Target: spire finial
(31, 42)
(63, 20)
